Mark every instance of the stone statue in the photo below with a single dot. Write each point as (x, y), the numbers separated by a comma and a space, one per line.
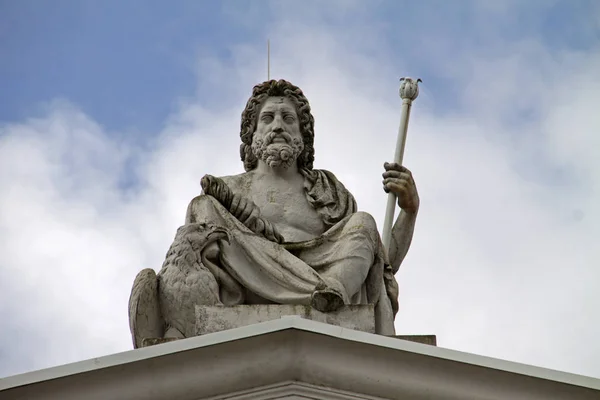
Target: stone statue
(280, 233)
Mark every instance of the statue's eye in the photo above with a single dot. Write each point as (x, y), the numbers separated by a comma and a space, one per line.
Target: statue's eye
(266, 118)
(289, 118)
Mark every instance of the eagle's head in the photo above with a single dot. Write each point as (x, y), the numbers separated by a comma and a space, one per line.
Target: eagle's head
(190, 240)
(202, 234)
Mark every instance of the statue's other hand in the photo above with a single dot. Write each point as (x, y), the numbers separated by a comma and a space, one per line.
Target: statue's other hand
(399, 180)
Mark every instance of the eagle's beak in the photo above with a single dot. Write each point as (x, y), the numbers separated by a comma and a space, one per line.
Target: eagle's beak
(219, 234)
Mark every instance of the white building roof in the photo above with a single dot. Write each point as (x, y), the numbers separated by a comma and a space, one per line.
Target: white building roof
(296, 357)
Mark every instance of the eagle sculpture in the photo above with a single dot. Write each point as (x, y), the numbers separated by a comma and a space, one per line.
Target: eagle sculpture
(163, 305)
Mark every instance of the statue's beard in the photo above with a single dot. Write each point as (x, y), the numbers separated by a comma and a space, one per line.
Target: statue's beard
(277, 154)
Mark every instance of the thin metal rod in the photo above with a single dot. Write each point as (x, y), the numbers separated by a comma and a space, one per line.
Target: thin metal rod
(268, 59)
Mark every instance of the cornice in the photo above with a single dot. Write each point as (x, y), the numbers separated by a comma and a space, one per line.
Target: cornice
(297, 350)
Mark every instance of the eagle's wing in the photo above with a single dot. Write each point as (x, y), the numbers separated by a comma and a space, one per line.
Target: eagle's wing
(145, 320)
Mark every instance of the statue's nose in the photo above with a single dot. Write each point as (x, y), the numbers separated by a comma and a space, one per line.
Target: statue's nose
(277, 126)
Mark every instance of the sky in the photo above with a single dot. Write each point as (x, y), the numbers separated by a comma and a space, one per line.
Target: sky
(111, 112)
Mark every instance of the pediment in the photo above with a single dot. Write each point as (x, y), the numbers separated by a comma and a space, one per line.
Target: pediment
(297, 358)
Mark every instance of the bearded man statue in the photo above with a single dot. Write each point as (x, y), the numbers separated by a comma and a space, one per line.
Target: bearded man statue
(282, 232)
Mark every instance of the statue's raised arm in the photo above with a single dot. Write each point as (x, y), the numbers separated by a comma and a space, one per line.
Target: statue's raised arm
(399, 180)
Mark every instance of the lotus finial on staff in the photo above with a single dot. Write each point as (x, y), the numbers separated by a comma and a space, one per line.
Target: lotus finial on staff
(409, 88)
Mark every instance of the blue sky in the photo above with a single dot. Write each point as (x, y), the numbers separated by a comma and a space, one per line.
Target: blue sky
(126, 63)
(110, 112)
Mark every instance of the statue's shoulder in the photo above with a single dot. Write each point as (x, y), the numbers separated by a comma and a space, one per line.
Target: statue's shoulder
(330, 175)
(237, 183)
(323, 174)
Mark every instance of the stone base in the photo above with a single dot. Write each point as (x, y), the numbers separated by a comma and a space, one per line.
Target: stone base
(424, 339)
(153, 341)
(210, 319)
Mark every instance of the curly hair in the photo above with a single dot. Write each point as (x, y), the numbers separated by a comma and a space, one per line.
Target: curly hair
(260, 93)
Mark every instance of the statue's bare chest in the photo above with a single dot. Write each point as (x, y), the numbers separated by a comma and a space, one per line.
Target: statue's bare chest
(281, 202)
(288, 209)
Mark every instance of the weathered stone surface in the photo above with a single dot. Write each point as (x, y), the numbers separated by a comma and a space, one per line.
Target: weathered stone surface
(210, 319)
(282, 232)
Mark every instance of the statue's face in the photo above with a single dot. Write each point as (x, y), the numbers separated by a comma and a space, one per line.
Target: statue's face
(277, 139)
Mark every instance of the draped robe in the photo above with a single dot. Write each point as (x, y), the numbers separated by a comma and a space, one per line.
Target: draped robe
(348, 256)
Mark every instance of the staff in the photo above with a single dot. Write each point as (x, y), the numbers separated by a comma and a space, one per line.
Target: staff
(409, 90)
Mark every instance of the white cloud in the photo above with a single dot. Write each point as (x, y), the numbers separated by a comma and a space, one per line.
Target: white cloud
(502, 263)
